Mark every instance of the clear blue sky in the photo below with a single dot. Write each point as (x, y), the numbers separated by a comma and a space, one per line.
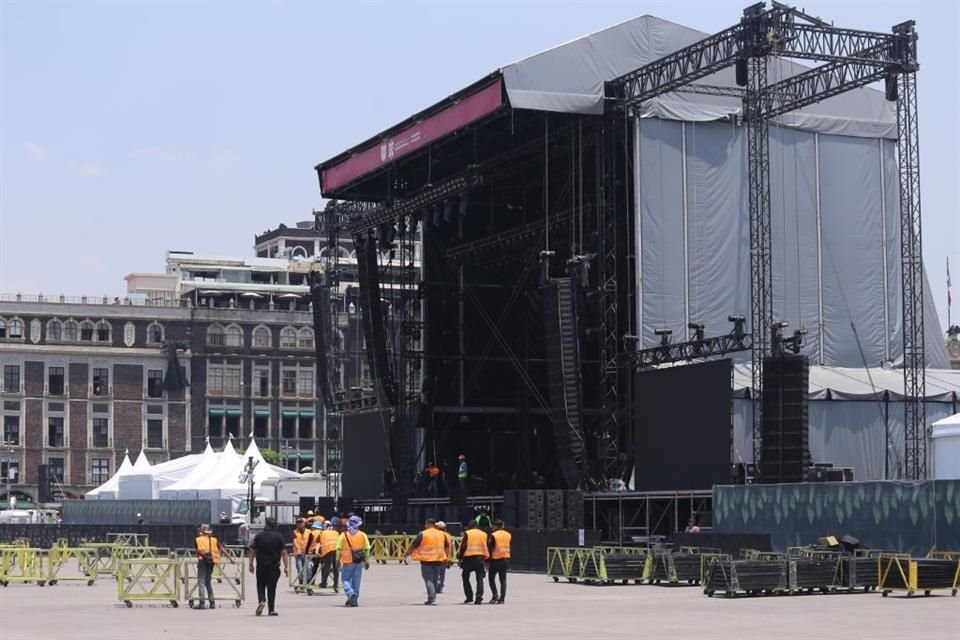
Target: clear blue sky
(130, 128)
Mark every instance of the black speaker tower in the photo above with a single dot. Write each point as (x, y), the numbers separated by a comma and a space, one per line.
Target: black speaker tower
(785, 448)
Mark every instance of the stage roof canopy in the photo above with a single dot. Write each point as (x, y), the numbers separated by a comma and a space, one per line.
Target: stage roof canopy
(570, 78)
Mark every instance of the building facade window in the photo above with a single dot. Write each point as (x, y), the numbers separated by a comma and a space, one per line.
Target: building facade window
(261, 382)
(224, 380)
(103, 331)
(3, 328)
(215, 336)
(15, 329)
(305, 427)
(305, 384)
(262, 338)
(234, 336)
(288, 386)
(70, 331)
(154, 383)
(305, 338)
(99, 470)
(55, 434)
(56, 381)
(86, 331)
(101, 381)
(261, 423)
(57, 469)
(54, 331)
(10, 470)
(288, 338)
(11, 378)
(11, 430)
(155, 333)
(155, 435)
(101, 432)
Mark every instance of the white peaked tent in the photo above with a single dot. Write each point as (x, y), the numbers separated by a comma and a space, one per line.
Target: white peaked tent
(108, 490)
(197, 470)
(139, 484)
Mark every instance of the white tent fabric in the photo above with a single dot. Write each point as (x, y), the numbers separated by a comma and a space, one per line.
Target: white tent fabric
(946, 448)
(569, 78)
(108, 490)
(197, 471)
(142, 465)
(835, 233)
(854, 423)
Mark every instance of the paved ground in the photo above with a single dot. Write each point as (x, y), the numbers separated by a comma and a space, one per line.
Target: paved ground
(391, 608)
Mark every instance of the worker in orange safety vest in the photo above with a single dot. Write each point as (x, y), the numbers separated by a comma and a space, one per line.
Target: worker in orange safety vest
(499, 560)
(209, 552)
(473, 553)
(431, 548)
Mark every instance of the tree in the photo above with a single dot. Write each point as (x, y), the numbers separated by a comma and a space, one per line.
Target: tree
(272, 457)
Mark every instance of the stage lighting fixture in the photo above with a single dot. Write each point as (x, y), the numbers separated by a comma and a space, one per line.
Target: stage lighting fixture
(436, 215)
(739, 322)
(698, 330)
(463, 206)
(447, 210)
(664, 336)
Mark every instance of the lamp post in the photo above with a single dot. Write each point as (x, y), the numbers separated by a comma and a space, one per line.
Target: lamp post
(8, 450)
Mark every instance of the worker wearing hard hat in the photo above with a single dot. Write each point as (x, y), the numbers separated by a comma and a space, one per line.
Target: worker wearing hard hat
(329, 536)
(442, 574)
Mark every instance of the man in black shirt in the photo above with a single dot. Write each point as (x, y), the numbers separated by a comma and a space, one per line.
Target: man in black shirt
(270, 551)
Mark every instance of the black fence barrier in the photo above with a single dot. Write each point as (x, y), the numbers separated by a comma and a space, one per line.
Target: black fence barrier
(908, 516)
(174, 536)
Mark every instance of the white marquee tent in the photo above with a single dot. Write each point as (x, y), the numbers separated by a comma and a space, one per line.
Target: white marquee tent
(209, 475)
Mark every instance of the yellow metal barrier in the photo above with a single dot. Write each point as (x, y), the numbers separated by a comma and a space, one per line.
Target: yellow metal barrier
(128, 539)
(229, 574)
(100, 557)
(302, 581)
(59, 568)
(21, 564)
(145, 579)
(911, 575)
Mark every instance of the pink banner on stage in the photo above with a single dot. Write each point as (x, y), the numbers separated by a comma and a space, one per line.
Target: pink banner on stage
(448, 120)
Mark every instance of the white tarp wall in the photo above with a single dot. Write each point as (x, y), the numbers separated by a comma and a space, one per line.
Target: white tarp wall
(856, 416)
(835, 235)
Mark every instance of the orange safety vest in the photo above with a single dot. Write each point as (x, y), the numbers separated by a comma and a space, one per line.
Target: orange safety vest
(328, 541)
(208, 544)
(501, 542)
(352, 543)
(301, 540)
(432, 547)
(476, 541)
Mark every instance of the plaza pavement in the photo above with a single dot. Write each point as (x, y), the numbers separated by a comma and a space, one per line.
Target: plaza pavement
(391, 609)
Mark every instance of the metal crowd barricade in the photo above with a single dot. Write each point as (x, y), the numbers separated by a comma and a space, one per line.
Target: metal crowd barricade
(898, 573)
(128, 539)
(148, 579)
(302, 581)
(576, 564)
(100, 557)
(385, 548)
(58, 563)
(22, 564)
(230, 586)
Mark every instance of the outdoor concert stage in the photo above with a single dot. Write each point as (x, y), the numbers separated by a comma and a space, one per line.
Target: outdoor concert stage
(643, 196)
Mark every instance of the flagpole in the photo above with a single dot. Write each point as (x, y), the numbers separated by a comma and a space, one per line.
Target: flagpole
(949, 297)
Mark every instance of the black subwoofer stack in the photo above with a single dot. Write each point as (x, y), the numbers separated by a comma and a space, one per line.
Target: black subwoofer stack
(785, 451)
